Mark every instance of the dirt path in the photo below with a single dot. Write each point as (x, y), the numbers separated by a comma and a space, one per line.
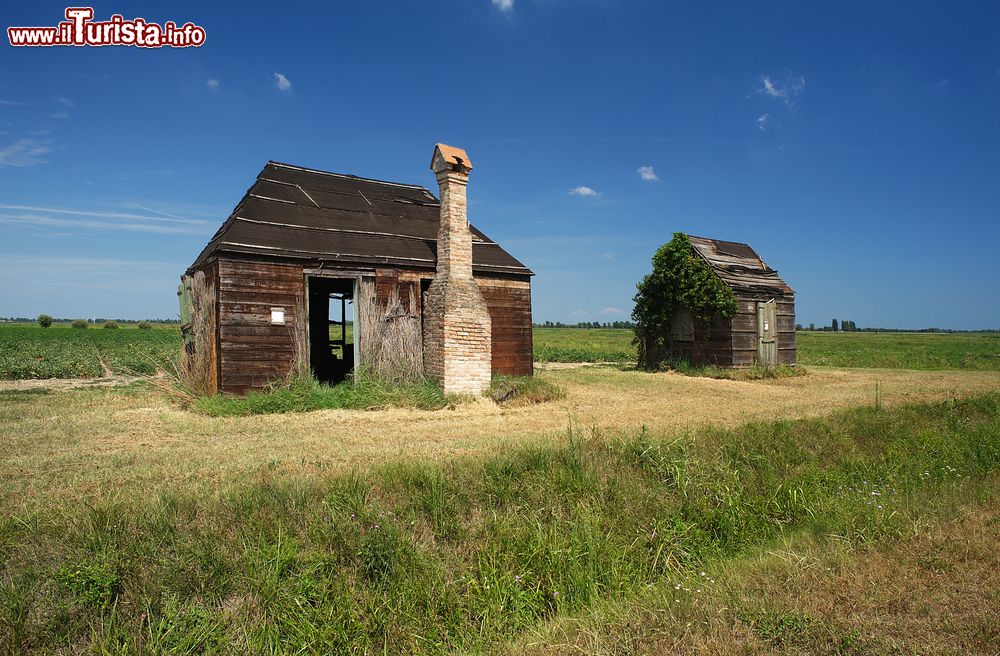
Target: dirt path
(65, 384)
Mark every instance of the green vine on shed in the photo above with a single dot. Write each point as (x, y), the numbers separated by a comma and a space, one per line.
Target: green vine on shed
(680, 279)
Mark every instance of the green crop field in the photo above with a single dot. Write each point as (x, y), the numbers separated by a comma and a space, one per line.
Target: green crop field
(583, 345)
(928, 351)
(29, 351)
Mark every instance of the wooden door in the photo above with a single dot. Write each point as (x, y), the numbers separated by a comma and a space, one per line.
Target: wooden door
(767, 334)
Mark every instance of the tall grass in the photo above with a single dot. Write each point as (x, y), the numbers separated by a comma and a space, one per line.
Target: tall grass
(523, 390)
(415, 557)
(754, 372)
(304, 394)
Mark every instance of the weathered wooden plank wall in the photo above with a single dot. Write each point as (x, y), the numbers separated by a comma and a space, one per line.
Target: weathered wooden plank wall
(252, 351)
(786, 330)
(711, 345)
(200, 357)
(745, 330)
(509, 303)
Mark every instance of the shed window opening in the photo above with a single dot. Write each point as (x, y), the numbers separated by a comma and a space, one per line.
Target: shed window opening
(682, 326)
(277, 316)
(341, 322)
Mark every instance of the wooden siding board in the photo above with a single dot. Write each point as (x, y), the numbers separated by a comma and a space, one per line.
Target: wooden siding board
(252, 352)
(510, 319)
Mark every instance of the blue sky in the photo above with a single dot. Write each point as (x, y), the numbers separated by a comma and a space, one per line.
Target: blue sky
(856, 146)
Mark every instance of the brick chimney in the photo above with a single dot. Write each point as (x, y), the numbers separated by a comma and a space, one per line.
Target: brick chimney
(457, 332)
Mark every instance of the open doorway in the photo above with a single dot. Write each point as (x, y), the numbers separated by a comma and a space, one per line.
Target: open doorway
(332, 335)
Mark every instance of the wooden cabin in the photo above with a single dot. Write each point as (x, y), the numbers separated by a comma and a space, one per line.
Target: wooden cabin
(763, 329)
(328, 272)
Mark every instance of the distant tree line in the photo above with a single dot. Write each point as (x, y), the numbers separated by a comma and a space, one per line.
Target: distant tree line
(848, 326)
(843, 325)
(92, 320)
(586, 324)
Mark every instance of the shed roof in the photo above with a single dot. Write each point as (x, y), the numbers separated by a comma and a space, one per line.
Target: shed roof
(739, 266)
(294, 212)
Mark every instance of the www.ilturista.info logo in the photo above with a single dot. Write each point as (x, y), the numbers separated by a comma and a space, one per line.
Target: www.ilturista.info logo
(80, 29)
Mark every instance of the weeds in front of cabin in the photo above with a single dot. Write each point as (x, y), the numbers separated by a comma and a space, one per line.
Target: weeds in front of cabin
(304, 393)
(755, 372)
(416, 557)
(523, 390)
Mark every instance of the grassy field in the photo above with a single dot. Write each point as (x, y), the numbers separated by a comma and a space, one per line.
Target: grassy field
(468, 555)
(583, 345)
(631, 513)
(971, 351)
(28, 351)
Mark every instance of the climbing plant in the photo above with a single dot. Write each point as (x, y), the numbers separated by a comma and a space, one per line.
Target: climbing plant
(680, 279)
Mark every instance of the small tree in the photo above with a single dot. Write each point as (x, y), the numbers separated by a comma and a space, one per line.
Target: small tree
(144, 325)
(680, 279)
(834, 326)
(80, 323)
(111, 324)
(44, 320)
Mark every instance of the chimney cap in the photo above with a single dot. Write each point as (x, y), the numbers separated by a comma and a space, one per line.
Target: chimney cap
(450, 158)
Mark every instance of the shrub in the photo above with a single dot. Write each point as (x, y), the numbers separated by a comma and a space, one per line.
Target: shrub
(80, 323)
(144, 325)
(523, 390)
(44, 320)
(111, 324)
(680, 280)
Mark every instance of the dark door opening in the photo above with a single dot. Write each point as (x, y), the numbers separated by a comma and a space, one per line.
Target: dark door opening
(331, 328)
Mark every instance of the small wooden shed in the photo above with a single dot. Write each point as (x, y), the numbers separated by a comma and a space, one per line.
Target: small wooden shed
(325, 272)
(763, 328)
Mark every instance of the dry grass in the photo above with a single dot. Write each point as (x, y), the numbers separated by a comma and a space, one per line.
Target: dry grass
(936, 592)
(100, 444)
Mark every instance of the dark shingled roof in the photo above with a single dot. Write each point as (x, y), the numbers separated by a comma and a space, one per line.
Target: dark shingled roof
(739, 266)
(292, 212)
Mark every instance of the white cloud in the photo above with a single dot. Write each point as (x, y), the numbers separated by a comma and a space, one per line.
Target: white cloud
(504, 5)
(788, 90)
(762, 121)
(583, 191)
(166, 218)
(12, 103)
(25, 152)
(54, 222)
(943, 83)
(612, 310)
(65, 102)
(770, 88)
(212, 84)
(647, 173)
(282, 82)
